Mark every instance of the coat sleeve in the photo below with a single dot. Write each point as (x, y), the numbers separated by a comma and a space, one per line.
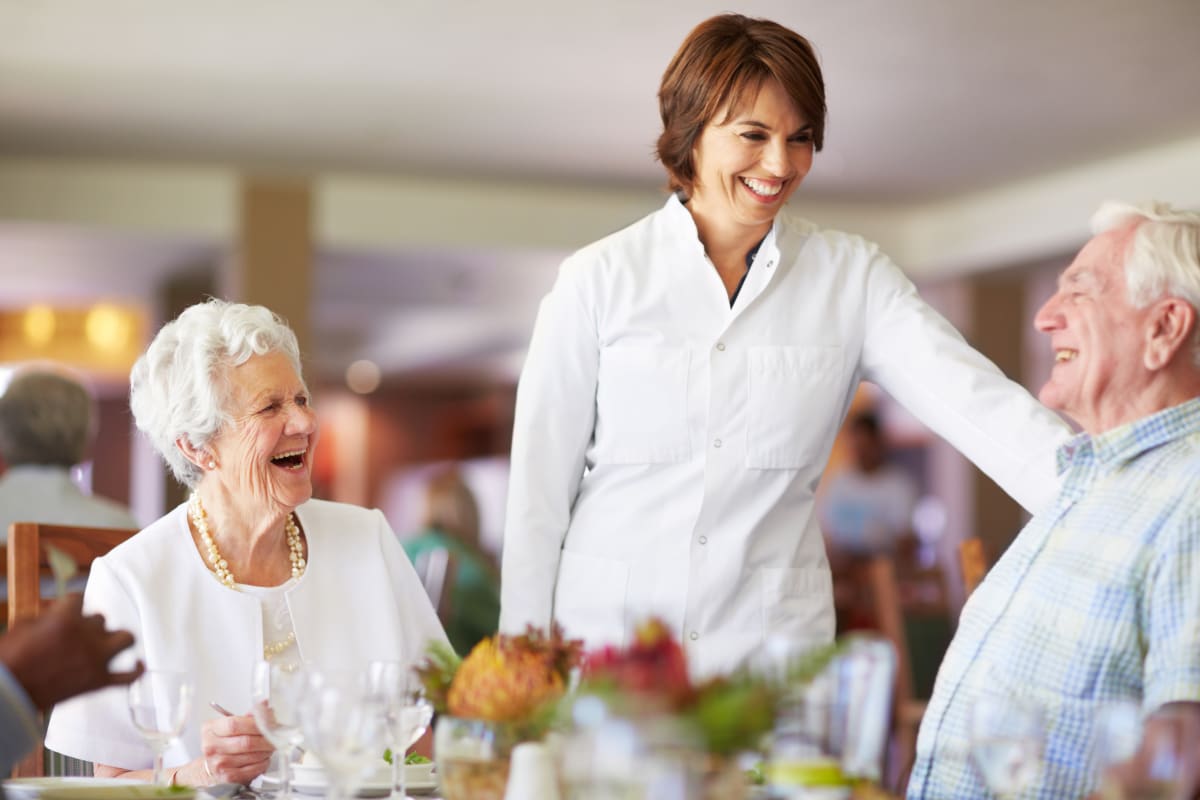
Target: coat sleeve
(915, 355)
(419, 622)
(554, 424)
(96, 726)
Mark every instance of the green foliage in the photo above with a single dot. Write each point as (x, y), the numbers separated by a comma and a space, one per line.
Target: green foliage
(437, 673)
(733, 714)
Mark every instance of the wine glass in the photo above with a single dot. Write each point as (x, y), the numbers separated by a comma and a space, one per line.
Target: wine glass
(406, 710)
(344, 726)
(1150, 761)
(159, 703)
(1007, 736)
(275, 693)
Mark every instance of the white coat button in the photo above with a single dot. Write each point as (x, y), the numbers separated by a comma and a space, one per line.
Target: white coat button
(716, 443)
(770, 264)
(703, 540)
(720, 345)
(693, 636)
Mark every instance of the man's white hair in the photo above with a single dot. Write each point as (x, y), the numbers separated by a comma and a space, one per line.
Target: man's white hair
(1163, 255)
(180, 387)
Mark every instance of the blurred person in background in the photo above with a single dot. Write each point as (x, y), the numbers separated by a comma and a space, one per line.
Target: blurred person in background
(865, 510)
(867, 507)
(58, 654)
(251, 567)
(452, 523)
(1097, 600)
(47, 423)
(687, 376)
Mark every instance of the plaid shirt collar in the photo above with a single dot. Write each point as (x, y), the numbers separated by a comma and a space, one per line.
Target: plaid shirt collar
(1125, 442)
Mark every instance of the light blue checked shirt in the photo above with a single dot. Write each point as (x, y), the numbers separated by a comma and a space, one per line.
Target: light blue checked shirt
(1097, 599)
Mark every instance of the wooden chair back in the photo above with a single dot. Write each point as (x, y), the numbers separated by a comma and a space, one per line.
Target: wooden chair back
(879, 573)
(972, 562)
(28, 564)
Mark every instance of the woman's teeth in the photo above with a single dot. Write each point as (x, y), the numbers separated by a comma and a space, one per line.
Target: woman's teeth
(291, 460)
(763, 189)
(1065, 355)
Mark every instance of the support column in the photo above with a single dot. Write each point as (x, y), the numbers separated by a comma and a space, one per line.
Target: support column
(273, 265)
(998, 332)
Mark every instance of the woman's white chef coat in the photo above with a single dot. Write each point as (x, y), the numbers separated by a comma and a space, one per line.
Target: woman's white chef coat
(667, 446)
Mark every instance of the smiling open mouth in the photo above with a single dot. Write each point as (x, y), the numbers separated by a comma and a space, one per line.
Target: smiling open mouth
(1065, 355)
(293, 460)
(763, 189)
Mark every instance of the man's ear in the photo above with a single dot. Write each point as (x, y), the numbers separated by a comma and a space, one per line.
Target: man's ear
(199, 457)
(1171, 325)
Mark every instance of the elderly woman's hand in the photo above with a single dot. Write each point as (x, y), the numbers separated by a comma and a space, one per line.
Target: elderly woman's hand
(234, 751)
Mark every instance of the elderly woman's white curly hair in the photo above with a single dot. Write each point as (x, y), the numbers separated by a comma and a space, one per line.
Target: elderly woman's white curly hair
(180, 387)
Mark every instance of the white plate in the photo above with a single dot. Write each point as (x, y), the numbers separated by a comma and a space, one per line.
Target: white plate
(28, 788)
(310, 779)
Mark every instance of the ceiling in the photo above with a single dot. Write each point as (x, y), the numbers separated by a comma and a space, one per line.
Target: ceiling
(927, 99)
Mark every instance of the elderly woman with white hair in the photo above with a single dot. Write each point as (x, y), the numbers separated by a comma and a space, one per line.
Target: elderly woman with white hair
(250, 567)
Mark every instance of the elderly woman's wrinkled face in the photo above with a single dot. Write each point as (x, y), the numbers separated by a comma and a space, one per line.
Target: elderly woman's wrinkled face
(265, 453)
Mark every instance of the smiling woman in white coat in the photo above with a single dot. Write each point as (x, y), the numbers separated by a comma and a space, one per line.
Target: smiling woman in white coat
(687, 376)
(251, 567)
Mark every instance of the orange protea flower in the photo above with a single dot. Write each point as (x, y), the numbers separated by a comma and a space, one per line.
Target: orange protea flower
(510, 678)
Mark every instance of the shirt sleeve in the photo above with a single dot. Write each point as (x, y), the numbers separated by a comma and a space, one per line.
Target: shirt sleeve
(554, 424)
(19, 728)
(1171, 618)
(918, 357)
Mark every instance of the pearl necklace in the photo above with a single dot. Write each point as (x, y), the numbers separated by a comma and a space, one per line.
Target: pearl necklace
(220, 566)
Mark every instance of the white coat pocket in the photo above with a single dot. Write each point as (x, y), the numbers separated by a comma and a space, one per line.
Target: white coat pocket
(589, 598)
(641, 405)
(795, 398)
(798, 603)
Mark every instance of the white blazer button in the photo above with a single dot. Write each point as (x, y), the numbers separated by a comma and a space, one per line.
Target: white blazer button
(693, 636)
(716, 443)
(720, 346)
(703, 540)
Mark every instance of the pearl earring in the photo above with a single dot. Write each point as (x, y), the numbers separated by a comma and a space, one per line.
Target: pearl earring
(212, 465)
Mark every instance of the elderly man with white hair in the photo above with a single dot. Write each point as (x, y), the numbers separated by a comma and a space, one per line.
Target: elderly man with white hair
(1098, 598)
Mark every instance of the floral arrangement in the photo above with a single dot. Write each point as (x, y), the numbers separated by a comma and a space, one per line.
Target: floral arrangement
(513, 680)
(728, 713)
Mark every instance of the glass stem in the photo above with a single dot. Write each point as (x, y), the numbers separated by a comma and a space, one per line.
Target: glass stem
(399, 773)
(285, 773)
(158, 767)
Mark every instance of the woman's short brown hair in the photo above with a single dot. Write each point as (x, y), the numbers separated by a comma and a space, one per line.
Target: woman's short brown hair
(721, 65)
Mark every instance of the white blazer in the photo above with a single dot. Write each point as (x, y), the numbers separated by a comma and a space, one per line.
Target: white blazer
(666, 446)
(358, 600)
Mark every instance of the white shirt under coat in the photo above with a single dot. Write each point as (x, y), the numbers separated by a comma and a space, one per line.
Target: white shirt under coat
(667, 446)
(358, 600)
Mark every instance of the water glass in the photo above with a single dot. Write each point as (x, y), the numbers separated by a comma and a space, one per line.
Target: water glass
(407, 713)
(1158, 760)
(1007, 736)
(159, 703)
(343, 725)
(275, 693)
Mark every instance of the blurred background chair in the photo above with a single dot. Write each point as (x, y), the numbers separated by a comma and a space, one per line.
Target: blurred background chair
(889, 606)
(462, 579)
(436, 568)
(972, 561)
(28, 564)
